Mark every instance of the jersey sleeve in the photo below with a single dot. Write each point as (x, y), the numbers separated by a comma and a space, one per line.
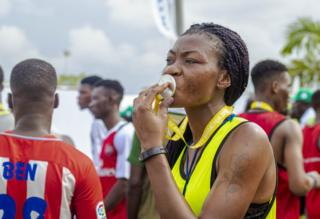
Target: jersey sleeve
(97, 135)
(87, 200)
(123, 143)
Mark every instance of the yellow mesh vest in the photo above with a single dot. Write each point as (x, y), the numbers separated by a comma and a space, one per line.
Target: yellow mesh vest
(199, 187)
(3, 111)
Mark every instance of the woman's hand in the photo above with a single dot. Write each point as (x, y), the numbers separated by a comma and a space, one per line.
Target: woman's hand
(151, 126)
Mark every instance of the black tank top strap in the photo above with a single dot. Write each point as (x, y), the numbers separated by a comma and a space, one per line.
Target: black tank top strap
(275, 127)
(214, 164)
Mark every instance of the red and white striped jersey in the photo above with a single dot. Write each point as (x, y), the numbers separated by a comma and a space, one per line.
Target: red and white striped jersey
(43, 177)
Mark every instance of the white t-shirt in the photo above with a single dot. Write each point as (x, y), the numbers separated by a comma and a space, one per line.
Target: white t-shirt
(97, 135)
(122, 143)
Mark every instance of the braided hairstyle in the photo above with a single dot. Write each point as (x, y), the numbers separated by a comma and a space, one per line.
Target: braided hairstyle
(233, 55)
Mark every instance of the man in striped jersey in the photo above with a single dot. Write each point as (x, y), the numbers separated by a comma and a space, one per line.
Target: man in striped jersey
(41, 176)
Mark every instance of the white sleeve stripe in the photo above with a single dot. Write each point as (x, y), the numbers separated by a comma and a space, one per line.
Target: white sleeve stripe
(3, 182)
(68, 186)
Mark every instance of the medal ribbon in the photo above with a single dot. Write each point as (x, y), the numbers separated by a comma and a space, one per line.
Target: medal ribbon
(210, 128)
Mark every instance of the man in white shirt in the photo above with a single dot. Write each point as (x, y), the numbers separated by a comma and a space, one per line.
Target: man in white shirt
(98, 129)
(114, 170)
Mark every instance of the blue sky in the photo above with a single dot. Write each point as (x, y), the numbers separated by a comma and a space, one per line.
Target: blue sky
(118, 38)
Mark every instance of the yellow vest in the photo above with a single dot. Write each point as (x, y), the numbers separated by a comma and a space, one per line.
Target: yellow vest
(3, 111)
(199, 186)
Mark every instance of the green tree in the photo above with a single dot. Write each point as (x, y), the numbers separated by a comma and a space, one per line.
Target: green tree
(303, 47)
(71, 81)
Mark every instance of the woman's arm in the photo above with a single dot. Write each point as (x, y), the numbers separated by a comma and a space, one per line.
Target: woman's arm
(241, 169)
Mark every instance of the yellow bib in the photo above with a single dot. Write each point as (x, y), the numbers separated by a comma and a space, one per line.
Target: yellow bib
(199, 185)
(3, 111)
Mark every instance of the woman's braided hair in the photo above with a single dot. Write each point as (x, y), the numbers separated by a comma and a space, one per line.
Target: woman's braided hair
(234, 57)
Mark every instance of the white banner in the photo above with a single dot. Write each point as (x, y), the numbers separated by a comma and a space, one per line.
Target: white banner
(164, 16)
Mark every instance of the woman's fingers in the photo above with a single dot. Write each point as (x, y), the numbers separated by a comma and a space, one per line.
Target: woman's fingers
(153, 92)
(146, 97)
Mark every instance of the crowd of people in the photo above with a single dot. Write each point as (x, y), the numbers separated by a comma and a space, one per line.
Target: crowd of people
(261, 163)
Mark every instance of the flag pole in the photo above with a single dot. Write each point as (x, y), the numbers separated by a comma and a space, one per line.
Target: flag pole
(179, 17)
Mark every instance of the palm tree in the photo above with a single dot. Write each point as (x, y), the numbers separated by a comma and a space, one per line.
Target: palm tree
(303, 45)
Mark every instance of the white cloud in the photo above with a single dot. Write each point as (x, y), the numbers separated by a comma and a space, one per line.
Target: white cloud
(5, 7)
(260, 44)
(32, 8)
(90, 45)
(93, 52)
(15, 46)
(89, 49)
(24, 7)
(133, 13)
(14, 42)
(154, 53)
(137, 56)
(262, 24)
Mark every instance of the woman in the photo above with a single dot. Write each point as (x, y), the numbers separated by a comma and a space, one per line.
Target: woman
(224, 166)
